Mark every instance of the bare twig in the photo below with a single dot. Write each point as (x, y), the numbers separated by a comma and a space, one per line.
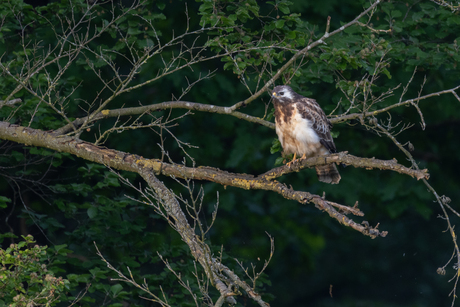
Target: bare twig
(442, 201)
(124, 161)
(320, 41)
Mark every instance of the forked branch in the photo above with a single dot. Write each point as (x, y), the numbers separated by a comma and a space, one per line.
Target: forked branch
(148, 167)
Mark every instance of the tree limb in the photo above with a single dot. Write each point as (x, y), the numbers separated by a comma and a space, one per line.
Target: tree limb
(147, 167)
(361, 116)
(162, 106)
(188, 105)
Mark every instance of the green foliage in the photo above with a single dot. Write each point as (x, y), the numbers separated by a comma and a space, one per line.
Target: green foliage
(25, 279)
(241, 24)
(276, 146)
(424, 35)
(4, 201)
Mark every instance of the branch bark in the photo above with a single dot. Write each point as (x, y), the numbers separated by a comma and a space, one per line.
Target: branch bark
(148, 167)
(188, 105)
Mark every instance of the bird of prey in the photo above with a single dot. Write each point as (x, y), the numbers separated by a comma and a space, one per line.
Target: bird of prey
(304, 130)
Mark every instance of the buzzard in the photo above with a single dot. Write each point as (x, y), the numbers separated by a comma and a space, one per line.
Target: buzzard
(304, 130)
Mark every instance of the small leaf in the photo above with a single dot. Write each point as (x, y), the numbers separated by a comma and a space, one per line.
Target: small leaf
(61, 249)
(284, 8)
(387, 73)
(291, 35)
(325, 56)
(115, 289)
(335, 134)
(276, 146)
(396, 14)
(134, 31)
(279, 24)
(3, 201)
(279, 161)
(92, 212)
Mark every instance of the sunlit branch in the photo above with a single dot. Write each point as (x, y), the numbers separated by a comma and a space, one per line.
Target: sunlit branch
(343, 157)
(134, 163)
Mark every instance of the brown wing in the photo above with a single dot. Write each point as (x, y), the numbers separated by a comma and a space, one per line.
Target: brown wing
(311, 110)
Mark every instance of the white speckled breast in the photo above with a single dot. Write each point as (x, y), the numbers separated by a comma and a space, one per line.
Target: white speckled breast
(298, 136)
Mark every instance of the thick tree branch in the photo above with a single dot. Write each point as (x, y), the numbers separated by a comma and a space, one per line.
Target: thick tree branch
(124, 161)
(144, 167)
(343, 157)
(199, 249)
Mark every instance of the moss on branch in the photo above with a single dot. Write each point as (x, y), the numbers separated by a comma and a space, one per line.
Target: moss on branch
(130, 162)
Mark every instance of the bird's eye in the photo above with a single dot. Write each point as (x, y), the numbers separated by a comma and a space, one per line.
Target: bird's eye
(281, 93)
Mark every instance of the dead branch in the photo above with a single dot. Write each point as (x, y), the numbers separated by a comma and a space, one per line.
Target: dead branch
(343, 157)
(145, 167)
(442, 202)
(9, 103)
(162, 106)
(362, 116)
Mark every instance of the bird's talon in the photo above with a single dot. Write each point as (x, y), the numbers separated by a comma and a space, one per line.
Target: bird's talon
(292, 161)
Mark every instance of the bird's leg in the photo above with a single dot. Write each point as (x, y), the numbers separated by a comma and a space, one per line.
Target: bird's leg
(304, 156)
(293, 159)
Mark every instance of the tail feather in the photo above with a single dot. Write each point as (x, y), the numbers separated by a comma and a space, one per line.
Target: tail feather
(328, 173)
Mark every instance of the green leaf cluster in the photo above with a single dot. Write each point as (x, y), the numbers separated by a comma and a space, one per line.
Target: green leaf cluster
(424, 34)
(25, 279)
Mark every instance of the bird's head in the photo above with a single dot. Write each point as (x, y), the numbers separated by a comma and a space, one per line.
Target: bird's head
(283, 93)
